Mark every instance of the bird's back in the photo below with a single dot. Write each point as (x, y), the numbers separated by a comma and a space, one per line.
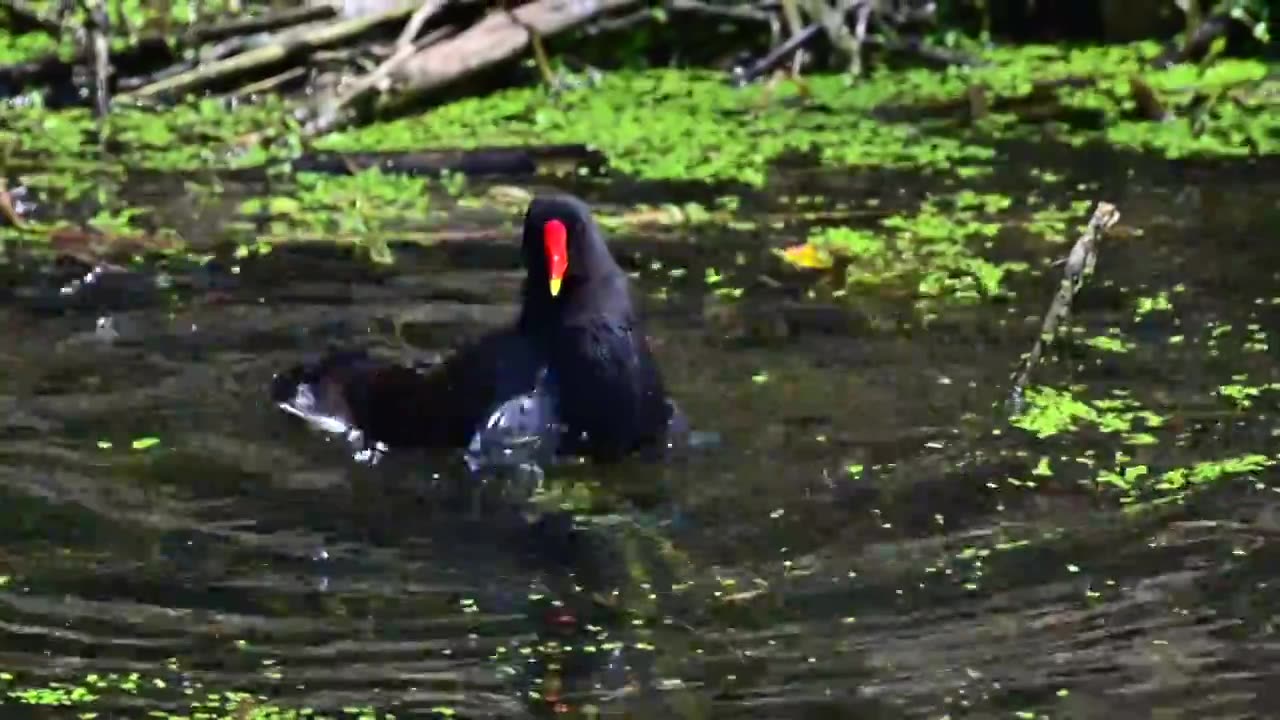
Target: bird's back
(439, 407)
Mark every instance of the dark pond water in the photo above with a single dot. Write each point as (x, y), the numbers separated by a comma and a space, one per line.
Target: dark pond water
(757, 578)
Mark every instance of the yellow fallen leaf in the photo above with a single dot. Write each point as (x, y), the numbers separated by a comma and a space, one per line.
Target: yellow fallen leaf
(807, 256)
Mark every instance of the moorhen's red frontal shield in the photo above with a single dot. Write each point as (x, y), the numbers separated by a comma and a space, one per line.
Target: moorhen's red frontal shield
(555, 237)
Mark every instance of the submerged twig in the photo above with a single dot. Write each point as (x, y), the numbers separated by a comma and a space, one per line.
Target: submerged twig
(1079, 265)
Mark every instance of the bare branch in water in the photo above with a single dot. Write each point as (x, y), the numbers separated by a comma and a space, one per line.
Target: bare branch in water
(1078, 266)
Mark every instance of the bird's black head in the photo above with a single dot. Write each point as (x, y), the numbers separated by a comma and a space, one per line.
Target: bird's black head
(565, 256)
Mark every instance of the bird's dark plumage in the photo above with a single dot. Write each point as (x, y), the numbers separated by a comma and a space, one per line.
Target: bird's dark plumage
(582, 346)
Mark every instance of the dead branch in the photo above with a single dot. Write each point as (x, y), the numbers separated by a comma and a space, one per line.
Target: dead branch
(327, 111)
(620, 22)
(304, 40)
(498, 36)
(1198, 43)
(731, 12)
(154, 50)
(267, 84)
(268, 22)
(931, 55)
(833, 18)
(795, 26)
(428, 10)
(777, 56)
(1079, 265)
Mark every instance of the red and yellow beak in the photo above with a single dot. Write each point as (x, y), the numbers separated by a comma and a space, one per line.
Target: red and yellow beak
(555, 238)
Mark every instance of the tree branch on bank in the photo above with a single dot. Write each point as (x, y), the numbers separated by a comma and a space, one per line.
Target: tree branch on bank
(151, 52)
(326, 112)
(268, 22)
(301, 41)
(496, 37)
(1198, 43)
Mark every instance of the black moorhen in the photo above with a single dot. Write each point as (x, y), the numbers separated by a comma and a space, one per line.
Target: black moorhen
(577, 352)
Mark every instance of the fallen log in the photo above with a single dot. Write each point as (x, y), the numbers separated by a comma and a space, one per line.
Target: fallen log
(498, 36)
